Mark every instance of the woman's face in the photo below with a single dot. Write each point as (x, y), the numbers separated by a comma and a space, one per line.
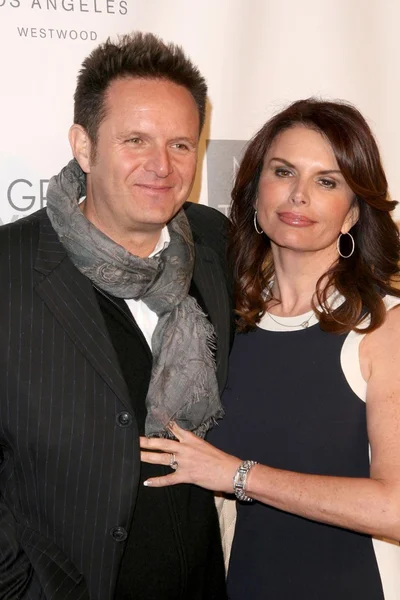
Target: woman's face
(303, 202)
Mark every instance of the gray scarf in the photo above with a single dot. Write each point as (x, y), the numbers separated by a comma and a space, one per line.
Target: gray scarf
(183, 385)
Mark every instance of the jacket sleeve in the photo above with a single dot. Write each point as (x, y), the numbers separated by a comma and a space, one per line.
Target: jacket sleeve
(15, 569)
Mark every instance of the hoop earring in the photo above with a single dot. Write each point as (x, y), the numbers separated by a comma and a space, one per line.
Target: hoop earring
(352, 248)
(255, 223)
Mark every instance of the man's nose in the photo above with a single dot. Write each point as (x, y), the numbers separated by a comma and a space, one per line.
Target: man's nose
(159, 162)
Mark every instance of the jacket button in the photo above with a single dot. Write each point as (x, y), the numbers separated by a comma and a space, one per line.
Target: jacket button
(124, 419)
(118, 534)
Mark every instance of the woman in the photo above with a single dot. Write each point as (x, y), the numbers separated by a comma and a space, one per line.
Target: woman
(313, 393)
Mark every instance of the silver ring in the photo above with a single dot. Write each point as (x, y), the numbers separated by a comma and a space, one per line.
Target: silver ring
(173, 463)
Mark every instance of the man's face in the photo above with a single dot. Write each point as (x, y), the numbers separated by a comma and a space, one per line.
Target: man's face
(145, 158)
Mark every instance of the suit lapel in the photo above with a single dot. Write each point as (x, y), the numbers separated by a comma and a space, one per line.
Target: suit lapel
(210, 280)
(70, 297)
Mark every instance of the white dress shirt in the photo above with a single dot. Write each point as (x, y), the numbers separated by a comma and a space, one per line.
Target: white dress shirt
(144, 317)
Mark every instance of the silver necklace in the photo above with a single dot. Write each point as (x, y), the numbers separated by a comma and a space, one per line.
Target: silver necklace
(303, 325)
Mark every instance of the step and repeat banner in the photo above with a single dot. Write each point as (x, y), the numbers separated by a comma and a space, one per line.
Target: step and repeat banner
(257, 56)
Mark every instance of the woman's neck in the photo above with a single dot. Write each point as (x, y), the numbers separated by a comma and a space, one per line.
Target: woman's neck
(295, 280)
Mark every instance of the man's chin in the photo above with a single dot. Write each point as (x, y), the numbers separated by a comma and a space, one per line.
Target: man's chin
(160, 217)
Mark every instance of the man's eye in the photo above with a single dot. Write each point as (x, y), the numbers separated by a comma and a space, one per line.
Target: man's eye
(134, 140)
(180, 146)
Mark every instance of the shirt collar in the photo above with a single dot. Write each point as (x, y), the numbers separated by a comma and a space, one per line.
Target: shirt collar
(162, 243)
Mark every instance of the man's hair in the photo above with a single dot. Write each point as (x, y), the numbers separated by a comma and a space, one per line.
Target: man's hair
(141, 55)
(364, 277)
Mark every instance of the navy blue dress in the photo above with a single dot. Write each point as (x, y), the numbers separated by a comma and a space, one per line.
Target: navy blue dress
(289, 406)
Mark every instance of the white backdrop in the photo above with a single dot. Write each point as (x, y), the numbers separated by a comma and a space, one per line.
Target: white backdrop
(257, 55)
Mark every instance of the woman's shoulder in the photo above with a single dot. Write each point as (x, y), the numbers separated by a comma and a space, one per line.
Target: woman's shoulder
(391, 301)
(383, 341)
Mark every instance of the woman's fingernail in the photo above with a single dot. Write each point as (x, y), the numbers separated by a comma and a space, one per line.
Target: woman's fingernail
(147, 482)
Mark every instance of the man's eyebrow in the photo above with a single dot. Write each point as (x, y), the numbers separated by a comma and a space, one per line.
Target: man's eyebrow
(183, 138)
(132, 133)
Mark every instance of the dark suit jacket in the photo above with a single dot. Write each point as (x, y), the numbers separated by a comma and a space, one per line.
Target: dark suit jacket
(69, 464)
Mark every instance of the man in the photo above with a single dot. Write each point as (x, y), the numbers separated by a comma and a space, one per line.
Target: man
(115, 321)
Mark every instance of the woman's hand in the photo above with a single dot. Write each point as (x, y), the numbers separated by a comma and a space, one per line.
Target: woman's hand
(197, 461)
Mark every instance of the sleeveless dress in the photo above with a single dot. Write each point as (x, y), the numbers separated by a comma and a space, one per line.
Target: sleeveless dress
(295, 400)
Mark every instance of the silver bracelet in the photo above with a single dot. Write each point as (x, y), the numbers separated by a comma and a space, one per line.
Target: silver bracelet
(240, 479)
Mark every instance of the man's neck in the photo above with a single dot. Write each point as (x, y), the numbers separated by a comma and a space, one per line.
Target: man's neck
(139, 243)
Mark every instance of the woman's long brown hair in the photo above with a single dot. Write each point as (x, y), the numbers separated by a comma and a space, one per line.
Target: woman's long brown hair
(361, 279)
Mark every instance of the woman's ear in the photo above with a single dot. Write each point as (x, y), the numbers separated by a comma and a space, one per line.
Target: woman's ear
(351, 217)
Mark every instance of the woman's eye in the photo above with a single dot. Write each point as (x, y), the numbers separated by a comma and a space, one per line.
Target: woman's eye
(280, 172)
(328, 183)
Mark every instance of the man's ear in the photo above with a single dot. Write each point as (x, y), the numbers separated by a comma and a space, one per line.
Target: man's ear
(81, 146)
